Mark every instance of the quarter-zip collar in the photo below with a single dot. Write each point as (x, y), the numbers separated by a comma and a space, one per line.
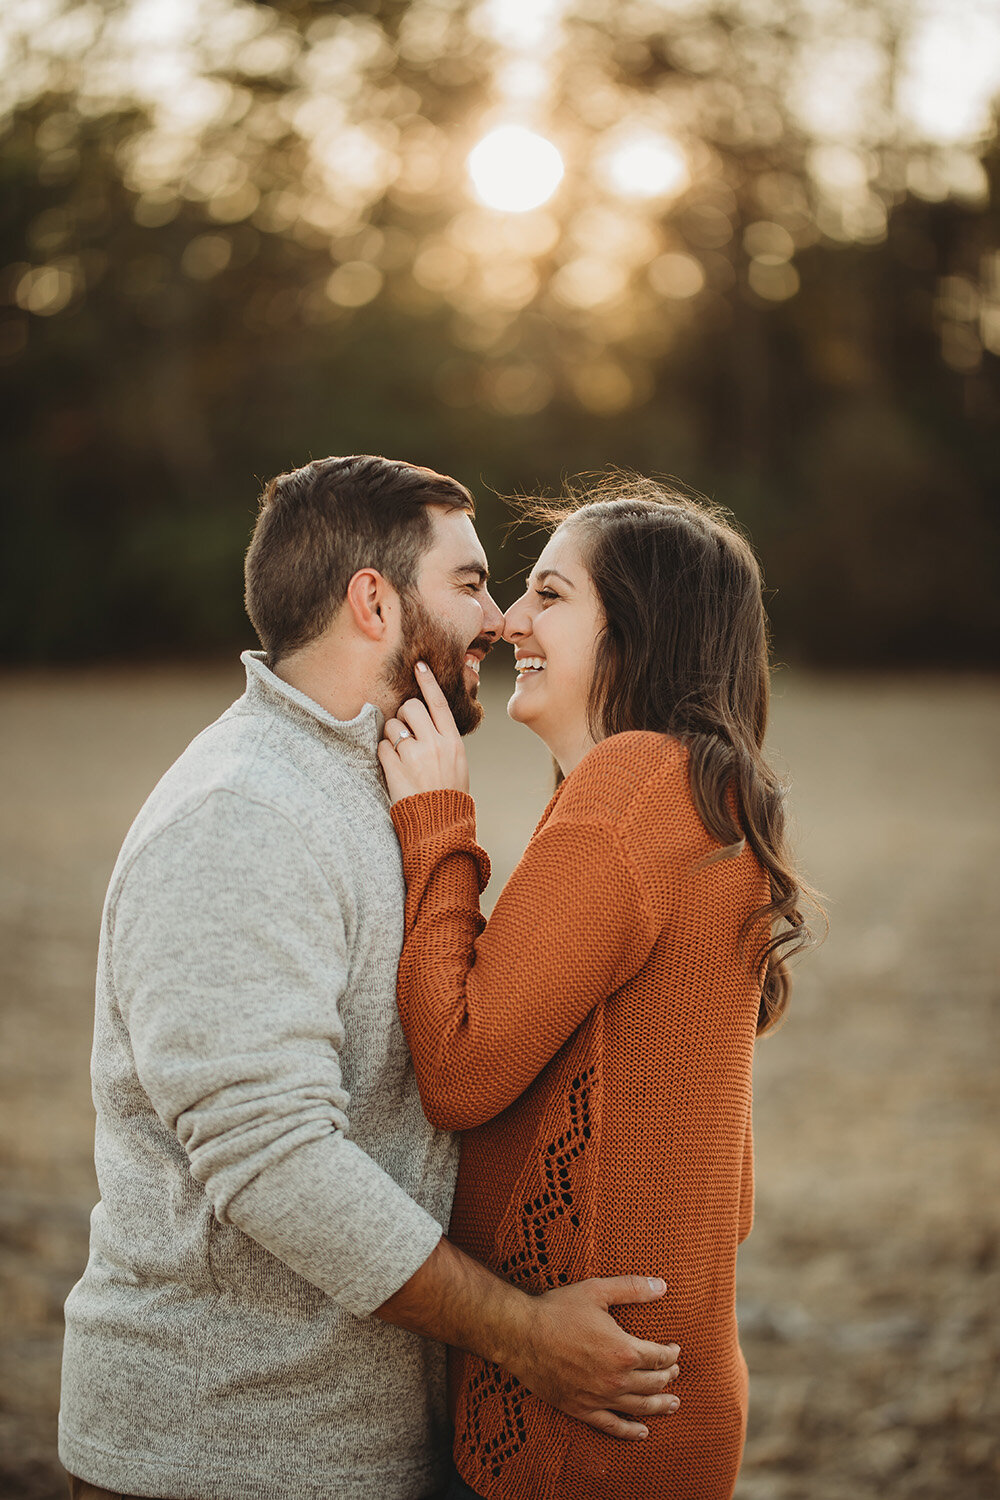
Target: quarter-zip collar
(357, 737)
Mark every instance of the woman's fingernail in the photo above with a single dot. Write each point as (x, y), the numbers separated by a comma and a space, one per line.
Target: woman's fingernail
(421, 666)
(644, 1432)
(673, 1404)
(657, 1286)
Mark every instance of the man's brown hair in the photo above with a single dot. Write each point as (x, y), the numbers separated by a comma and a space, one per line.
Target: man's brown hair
(320, 524)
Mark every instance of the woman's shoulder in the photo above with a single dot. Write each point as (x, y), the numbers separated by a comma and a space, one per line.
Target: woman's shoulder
(621, 771)
(635, 755)
(637, 785)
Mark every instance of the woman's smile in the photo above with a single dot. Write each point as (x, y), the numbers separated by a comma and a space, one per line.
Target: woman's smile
(554, 628)
(528, 666)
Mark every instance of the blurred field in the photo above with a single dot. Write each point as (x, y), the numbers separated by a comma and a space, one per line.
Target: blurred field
(871, 1284)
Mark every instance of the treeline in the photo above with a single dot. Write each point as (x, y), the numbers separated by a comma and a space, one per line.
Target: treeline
(154, 374)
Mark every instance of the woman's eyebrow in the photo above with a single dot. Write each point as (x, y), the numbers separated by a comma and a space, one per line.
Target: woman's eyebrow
(550, 573)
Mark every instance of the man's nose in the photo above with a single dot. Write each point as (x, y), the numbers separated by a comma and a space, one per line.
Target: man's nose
(492, 618)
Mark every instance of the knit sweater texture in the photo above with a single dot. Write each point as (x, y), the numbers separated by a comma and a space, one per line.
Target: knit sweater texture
(267, 1175)
(593, 1042)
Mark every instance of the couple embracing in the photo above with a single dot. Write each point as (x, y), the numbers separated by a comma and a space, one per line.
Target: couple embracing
(375, 1172)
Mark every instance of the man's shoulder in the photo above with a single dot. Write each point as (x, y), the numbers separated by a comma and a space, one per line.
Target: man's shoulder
(239, 771)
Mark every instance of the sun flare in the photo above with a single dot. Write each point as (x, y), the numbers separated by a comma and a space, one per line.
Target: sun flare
(515, 170)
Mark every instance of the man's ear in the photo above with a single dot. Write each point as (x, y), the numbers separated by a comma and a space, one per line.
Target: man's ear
(368, 595)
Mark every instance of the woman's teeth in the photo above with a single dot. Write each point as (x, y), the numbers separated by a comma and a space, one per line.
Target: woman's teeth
(529, 664)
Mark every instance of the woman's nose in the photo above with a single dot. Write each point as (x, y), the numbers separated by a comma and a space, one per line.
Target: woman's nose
(517, 620)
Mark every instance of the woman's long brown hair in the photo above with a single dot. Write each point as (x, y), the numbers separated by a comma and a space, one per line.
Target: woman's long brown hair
(684, 651)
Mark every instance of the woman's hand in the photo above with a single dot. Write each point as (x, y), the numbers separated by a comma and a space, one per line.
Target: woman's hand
(421, 750)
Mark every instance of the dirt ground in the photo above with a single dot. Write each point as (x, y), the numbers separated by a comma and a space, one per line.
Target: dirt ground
(870, 1288)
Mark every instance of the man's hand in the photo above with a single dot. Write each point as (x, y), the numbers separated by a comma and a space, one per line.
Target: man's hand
(578, 1358)
(564, 1345)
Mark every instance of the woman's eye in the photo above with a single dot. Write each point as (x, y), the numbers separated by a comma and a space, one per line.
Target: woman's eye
(546, 594)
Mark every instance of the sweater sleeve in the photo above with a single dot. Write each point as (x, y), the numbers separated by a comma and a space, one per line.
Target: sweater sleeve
(485, 1007)
(746, 1181)
(229, 972)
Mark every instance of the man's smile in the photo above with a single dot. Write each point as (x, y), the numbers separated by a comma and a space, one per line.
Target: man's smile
(475, 656)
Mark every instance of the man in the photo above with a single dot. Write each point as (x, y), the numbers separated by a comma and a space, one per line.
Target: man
(268, 1243)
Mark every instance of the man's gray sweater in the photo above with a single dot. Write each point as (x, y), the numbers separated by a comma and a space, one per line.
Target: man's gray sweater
(267, 1176)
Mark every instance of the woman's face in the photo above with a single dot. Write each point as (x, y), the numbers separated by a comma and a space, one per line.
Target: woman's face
(554, 628)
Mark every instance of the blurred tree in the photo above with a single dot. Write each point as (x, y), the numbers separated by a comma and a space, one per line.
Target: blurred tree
(255, 243)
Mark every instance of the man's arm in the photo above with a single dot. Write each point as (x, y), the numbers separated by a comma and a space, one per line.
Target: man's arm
(230, 961)
(564, 1345)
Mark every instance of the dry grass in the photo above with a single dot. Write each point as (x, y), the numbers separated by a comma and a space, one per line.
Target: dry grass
(871, 1284)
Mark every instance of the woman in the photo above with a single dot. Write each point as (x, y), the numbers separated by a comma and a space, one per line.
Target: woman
(594, 1039)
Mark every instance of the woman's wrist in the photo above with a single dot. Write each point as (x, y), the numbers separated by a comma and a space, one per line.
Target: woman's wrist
(425, 813)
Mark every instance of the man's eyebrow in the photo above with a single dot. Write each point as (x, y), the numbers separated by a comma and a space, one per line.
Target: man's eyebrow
(551, 573)
(481, 572)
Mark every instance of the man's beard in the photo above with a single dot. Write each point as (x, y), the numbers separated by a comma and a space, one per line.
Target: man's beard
(426, 639)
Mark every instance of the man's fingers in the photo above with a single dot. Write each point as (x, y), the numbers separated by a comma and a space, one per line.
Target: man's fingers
(617, 1291)
(435, 699)
(647, 1406)
(615, 1426)
(650, 1382)
(659, 1357)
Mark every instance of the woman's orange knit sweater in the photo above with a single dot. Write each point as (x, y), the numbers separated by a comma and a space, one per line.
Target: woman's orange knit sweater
(593, 1041)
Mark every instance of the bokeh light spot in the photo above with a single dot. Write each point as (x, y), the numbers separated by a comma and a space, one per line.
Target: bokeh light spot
(989, 328)
(764, 238)
(45, 290)
(508, 283)
(230, 208)
(707, 225)
(603, 387)
(519, 390)
(354, 284)
(958, 298)
(648, 166)
(439, 267)
(773, 279)
(589, 281)
(205, 256)
(678, 276)
(961, 348)
(515, 170)
(153, 210)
